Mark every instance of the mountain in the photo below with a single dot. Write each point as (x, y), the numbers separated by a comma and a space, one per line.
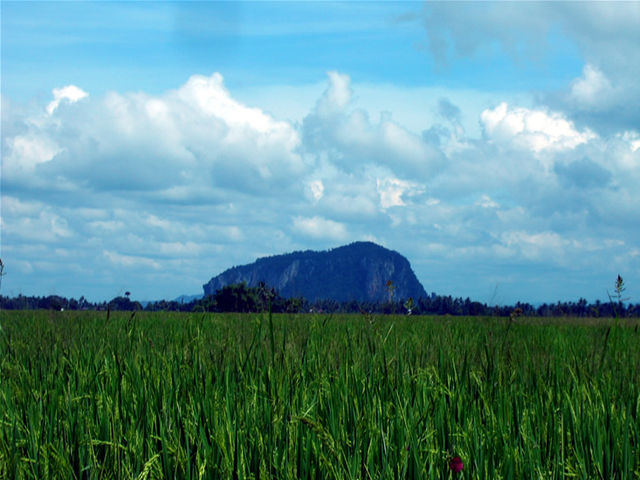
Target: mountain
(359, 271)
(187, 298)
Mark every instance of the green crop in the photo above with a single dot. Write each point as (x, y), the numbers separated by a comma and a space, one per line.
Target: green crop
(219, 396)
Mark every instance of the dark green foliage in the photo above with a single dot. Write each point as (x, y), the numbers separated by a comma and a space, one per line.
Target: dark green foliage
(124, 304)
(237, 298)
(430, 305)
(241, 298)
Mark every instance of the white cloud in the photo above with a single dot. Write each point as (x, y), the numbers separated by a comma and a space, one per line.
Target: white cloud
(350, 202)
(28, 150)
(592, 88)
(536, 246)
(131, 261)
(316, 188)
(13, 206)
(539, 34)
(44, 226)
(209, 97)
(180, 249)
(337, 95)
(154, 221)
(391, 191)
(321, 228)
(109, 226)
(535, 130)
(167, 190)
(632, 138)
(404, 144)
(197, 135)
(70, 94)
(485, 201)
(350, 139)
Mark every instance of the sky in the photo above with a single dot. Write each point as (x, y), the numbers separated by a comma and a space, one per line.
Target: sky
(149, 146)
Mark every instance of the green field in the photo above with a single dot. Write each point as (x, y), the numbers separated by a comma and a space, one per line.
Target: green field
(219, 396)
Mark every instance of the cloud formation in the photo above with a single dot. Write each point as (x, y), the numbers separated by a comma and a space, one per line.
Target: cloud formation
(70, 93)
(318, 227)
(195, 136)
(534, 130)
(605, 34)
(592, 89)
(350, 139)
(163, 191)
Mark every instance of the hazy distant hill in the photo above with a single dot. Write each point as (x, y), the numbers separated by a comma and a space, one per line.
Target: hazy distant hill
(359, 271)
(188, 298)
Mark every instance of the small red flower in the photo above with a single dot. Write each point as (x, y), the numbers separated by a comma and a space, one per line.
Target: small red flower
(456, 465)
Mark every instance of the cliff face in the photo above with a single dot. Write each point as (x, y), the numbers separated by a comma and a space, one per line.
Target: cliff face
(359, 271)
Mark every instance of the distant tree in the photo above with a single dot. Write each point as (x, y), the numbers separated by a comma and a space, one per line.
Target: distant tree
(237, 298)
(616, 301)
(124, 304)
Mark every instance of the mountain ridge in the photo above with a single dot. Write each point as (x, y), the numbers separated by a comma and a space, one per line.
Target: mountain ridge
(357, 271)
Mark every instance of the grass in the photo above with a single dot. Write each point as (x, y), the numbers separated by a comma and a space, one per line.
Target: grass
(169, 395)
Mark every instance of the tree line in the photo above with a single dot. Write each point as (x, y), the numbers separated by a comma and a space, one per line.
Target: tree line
(242, 298)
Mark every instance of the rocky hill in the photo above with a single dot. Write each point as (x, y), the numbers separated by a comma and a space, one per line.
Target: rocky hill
(359, 271)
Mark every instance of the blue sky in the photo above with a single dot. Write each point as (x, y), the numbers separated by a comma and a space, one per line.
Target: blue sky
(148, 146)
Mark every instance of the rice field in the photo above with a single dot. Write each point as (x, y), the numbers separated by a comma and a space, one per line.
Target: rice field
(229, 396)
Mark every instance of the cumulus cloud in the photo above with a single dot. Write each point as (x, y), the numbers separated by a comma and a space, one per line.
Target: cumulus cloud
(632, 138)
(44, 226)
(167, 190)
(486, 201)
(70, 94)
(337, 95)
(348, 197)
(605, 96)
(535, 246)
(350, 139)
(535, 130)
(141, 184)
(209, 97)
(391, 191)
(318, 227)
(195, 135)
(27, 151)
(316, 189)
(605, 101)
(592, 88)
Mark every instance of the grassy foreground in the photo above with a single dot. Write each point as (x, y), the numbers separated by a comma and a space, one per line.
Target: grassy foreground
(168, 395)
